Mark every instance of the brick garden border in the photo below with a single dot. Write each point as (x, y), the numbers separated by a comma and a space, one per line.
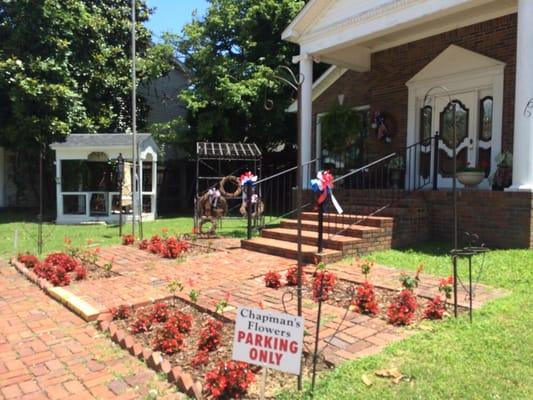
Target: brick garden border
(153, 359)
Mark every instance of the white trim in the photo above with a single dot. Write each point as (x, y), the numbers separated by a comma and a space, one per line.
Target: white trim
(478, 80)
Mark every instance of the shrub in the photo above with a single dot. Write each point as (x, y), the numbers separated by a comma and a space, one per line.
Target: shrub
(210, 335)
(28, 260)
(365, 299)
(160, 312)
(121, 312)
(402, 310)
(156, 245)
(292, 277)
(143, 244)
(181, 321)
(55, 274)
(446, 287)
(63, 260)
(272, 280)
(81, 272)
(201, 358)
(143, 323)
(128, 239)
(168, 338)
(435, 308)
(323, 284)
(229, 380)
(173, 248)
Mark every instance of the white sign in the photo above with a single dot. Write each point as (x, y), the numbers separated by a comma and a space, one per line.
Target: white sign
(269, 339)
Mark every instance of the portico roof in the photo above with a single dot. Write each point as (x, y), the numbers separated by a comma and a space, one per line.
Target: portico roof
(346, 32)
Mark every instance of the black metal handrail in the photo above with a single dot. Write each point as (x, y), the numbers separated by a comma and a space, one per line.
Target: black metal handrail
(398, 174)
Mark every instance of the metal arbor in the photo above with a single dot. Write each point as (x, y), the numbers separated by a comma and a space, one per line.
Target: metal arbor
(215, 161)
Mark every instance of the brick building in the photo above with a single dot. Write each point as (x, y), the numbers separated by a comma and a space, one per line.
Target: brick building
(411, 66)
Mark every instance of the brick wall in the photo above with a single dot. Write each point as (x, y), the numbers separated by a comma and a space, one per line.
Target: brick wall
(384, 86)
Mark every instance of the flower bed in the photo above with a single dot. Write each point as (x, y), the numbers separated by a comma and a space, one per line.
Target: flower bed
(196, 342)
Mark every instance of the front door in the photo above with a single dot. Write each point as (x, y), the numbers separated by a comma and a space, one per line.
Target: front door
(473, 130)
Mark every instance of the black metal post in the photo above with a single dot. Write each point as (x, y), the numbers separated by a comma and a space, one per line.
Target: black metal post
(249, 194)
(41, 207)
(299, 182)
(470, 285)
(320, 227)
(454, 257)
(435, 161)
(317, 333)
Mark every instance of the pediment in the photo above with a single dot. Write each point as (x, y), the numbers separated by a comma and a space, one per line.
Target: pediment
(453, 61)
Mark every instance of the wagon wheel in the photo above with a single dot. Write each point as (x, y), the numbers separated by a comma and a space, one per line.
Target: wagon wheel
(230, 181)
(211, 222)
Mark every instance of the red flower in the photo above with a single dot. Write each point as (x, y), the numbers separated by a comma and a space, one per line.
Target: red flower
(402, 310)
(435, 308)
(121, 312)
(323, 284)
(128, 239)
(365, 299)
(272, 280)
(292, 276)
(63, 260)
(210, 335)
(28, 260)
(81, 272)
(229, 380)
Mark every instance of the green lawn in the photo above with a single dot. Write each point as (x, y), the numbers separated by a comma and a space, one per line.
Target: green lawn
(490, 359)
(12, 222)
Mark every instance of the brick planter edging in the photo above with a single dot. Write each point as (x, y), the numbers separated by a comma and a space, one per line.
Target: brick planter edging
(153, 359)
(59, 293)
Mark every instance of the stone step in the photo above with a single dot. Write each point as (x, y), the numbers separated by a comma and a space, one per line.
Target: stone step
(361, 231)
(289, 250)
(361, 219)
(341, 243)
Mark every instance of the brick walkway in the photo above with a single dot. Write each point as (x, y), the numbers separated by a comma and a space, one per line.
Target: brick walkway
(240, 272)
(46, 352)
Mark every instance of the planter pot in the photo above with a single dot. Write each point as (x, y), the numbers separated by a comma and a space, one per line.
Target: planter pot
(470, 178)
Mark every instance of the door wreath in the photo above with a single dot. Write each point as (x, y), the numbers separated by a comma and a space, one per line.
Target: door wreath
(234, 181)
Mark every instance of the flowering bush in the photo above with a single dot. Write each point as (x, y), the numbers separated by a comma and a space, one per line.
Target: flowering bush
(365, 299)
(292, 276)
(201, 358)
(121, 312)
(168, 338)
(402, 310)
(28, 260)
(435, 308)
(160, 312)
(210, 335)
(229, 380)
(323, 284)
(55, 274)
(143, 323)
(143, 244)
(181, 321)
(272, 280)
(446, 287)
(173, 248)
(63, 260)
(81, 272)
(156, 245)
(128, 239)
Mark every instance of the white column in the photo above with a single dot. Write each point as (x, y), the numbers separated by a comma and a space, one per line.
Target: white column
(140, 185)
(306, 112)
(154, 188)
(59, 194)
(523, 124)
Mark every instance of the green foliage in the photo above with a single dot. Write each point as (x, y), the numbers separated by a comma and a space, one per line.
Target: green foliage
(339, 128)
(233, 54)
(65, 67)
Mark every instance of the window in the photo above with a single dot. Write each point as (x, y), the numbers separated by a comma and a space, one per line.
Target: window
(485, 119)
(447, 123)
(87, 176)
(74, 204)
(425, 123)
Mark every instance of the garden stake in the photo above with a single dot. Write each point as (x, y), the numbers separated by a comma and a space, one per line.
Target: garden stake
(315, 353)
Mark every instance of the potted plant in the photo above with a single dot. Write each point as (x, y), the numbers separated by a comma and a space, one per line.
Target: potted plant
(470, 176)
(396, 166)
(503, 176)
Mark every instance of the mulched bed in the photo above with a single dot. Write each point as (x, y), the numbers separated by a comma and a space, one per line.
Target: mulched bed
(275, 381)
(344, 292)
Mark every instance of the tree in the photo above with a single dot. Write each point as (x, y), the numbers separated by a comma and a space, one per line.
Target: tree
(65, 66)
(233, 54)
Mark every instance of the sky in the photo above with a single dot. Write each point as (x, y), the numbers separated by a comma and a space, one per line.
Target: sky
(172, 15)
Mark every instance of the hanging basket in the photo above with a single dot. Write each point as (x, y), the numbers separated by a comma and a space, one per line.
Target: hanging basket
(206, 209)
(233, 181)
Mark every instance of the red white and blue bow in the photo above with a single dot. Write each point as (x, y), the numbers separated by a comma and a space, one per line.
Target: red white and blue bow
(248, 179)
(323, 184)
(213, 196)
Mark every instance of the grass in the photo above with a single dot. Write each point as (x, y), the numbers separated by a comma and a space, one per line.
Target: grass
(489, 359)
(16, 223)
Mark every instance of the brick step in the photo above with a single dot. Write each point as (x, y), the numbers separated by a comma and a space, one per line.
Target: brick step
(390, 212)
(361, 231)
(376, 221)
(341, 243)
(289, 250)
